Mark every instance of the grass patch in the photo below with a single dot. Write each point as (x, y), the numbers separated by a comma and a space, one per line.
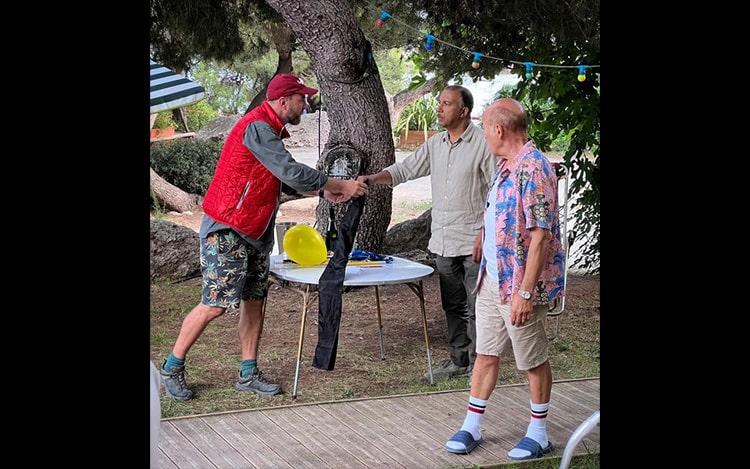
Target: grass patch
(583, 461)
(409, 210)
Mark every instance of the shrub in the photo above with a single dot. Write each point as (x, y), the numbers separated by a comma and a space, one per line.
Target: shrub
(164, 119)
(186, 162)
(420, 115)
(200, 114)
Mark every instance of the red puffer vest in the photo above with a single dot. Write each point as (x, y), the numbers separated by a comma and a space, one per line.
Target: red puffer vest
(244, 194)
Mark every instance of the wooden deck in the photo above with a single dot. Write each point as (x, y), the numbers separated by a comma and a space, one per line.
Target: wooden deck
(407, 431)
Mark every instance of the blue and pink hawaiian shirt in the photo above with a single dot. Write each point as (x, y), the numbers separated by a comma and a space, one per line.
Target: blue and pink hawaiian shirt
(527, 197)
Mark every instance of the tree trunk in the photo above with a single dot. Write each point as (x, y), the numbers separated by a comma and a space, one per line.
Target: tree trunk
(353, 96)
(172, 197)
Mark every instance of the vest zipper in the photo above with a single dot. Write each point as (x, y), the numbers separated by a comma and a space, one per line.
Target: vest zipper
(244, 193)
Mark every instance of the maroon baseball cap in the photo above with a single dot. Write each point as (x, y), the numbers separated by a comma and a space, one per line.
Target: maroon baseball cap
(286, 84)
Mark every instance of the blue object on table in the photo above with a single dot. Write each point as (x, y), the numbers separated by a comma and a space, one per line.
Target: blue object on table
(360, 255)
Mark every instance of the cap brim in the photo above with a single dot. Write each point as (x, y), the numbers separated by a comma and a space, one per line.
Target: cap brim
(309, 91)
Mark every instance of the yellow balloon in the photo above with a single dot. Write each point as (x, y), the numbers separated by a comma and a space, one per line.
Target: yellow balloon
(304, 245)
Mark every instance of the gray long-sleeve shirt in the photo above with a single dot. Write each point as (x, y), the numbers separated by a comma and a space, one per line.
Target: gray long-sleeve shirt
(269, 149)
(461, 174)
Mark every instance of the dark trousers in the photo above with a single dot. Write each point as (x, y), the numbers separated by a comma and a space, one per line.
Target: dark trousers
(331, 287)
(458, 277)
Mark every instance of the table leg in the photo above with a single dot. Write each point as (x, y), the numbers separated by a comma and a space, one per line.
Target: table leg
(305, 302)
(418, 290)
(380, 324)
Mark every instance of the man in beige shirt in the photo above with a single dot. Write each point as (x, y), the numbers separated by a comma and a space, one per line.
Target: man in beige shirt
(461, 168)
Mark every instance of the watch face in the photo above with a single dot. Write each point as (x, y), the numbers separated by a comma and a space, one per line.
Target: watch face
(524, 294)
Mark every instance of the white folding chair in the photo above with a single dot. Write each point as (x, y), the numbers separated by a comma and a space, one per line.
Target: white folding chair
(557, 307)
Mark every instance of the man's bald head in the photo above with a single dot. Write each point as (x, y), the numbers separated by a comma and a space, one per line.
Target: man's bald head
(508, 113)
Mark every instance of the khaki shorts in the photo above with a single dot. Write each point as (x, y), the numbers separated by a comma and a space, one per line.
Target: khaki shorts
(232, 270)
(495, 334)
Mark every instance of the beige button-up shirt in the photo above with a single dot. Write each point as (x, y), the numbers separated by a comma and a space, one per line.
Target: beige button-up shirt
(461, 174)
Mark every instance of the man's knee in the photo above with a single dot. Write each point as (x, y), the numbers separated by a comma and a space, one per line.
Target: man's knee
(208, 313)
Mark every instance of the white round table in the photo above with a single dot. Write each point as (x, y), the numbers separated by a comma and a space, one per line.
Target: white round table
(400, 271)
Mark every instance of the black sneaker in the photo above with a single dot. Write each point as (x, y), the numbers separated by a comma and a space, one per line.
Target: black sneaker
(174, 382)
(257, 383)
(447, 369)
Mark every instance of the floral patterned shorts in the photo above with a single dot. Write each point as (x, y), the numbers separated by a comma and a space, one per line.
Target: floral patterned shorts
(232, 270)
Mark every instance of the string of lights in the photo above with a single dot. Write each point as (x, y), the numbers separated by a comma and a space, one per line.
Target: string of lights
(477, 56)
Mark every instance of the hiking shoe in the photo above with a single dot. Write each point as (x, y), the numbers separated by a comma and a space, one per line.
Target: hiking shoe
(446, 369)
(174, 382)
(257, 383)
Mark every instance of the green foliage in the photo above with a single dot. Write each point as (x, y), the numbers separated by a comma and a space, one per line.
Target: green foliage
(563, 109)
(232, 86)
(180, 31)
(186, 163)
(420, 114)
(200, 114)
(164, 120)
(392, 68)
(558, 144)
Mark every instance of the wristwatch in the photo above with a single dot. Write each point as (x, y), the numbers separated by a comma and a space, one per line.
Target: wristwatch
(524, 294)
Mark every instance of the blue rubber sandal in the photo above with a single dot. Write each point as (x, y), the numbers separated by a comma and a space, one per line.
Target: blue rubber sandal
(530, 445)
(462, 443)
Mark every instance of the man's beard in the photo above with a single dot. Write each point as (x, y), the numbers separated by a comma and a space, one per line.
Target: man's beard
(296, 120)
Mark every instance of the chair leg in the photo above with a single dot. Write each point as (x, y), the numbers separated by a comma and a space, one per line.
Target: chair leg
(557, 326)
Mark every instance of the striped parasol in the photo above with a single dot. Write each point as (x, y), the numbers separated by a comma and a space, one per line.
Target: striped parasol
(170, 90)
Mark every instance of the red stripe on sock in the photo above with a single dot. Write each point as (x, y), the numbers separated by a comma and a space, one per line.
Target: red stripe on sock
(476, 410)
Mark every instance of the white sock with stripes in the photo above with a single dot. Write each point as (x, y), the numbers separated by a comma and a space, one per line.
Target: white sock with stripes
(474, 415)
(537, 429)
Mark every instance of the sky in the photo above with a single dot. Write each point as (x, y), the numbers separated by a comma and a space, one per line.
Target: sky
(484, 89)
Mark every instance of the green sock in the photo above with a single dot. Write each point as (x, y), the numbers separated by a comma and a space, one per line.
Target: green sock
(246, 367)
(173, 361)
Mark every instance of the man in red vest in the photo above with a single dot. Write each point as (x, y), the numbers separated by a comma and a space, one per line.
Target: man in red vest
(237, 232)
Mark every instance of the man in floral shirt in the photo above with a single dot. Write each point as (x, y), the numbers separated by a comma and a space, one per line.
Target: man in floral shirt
(521, 270)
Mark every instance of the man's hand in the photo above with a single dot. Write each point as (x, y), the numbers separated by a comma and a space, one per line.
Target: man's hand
(334, 197)
(341, 190)
(383, 177)
(476, 248)
(521, 311)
